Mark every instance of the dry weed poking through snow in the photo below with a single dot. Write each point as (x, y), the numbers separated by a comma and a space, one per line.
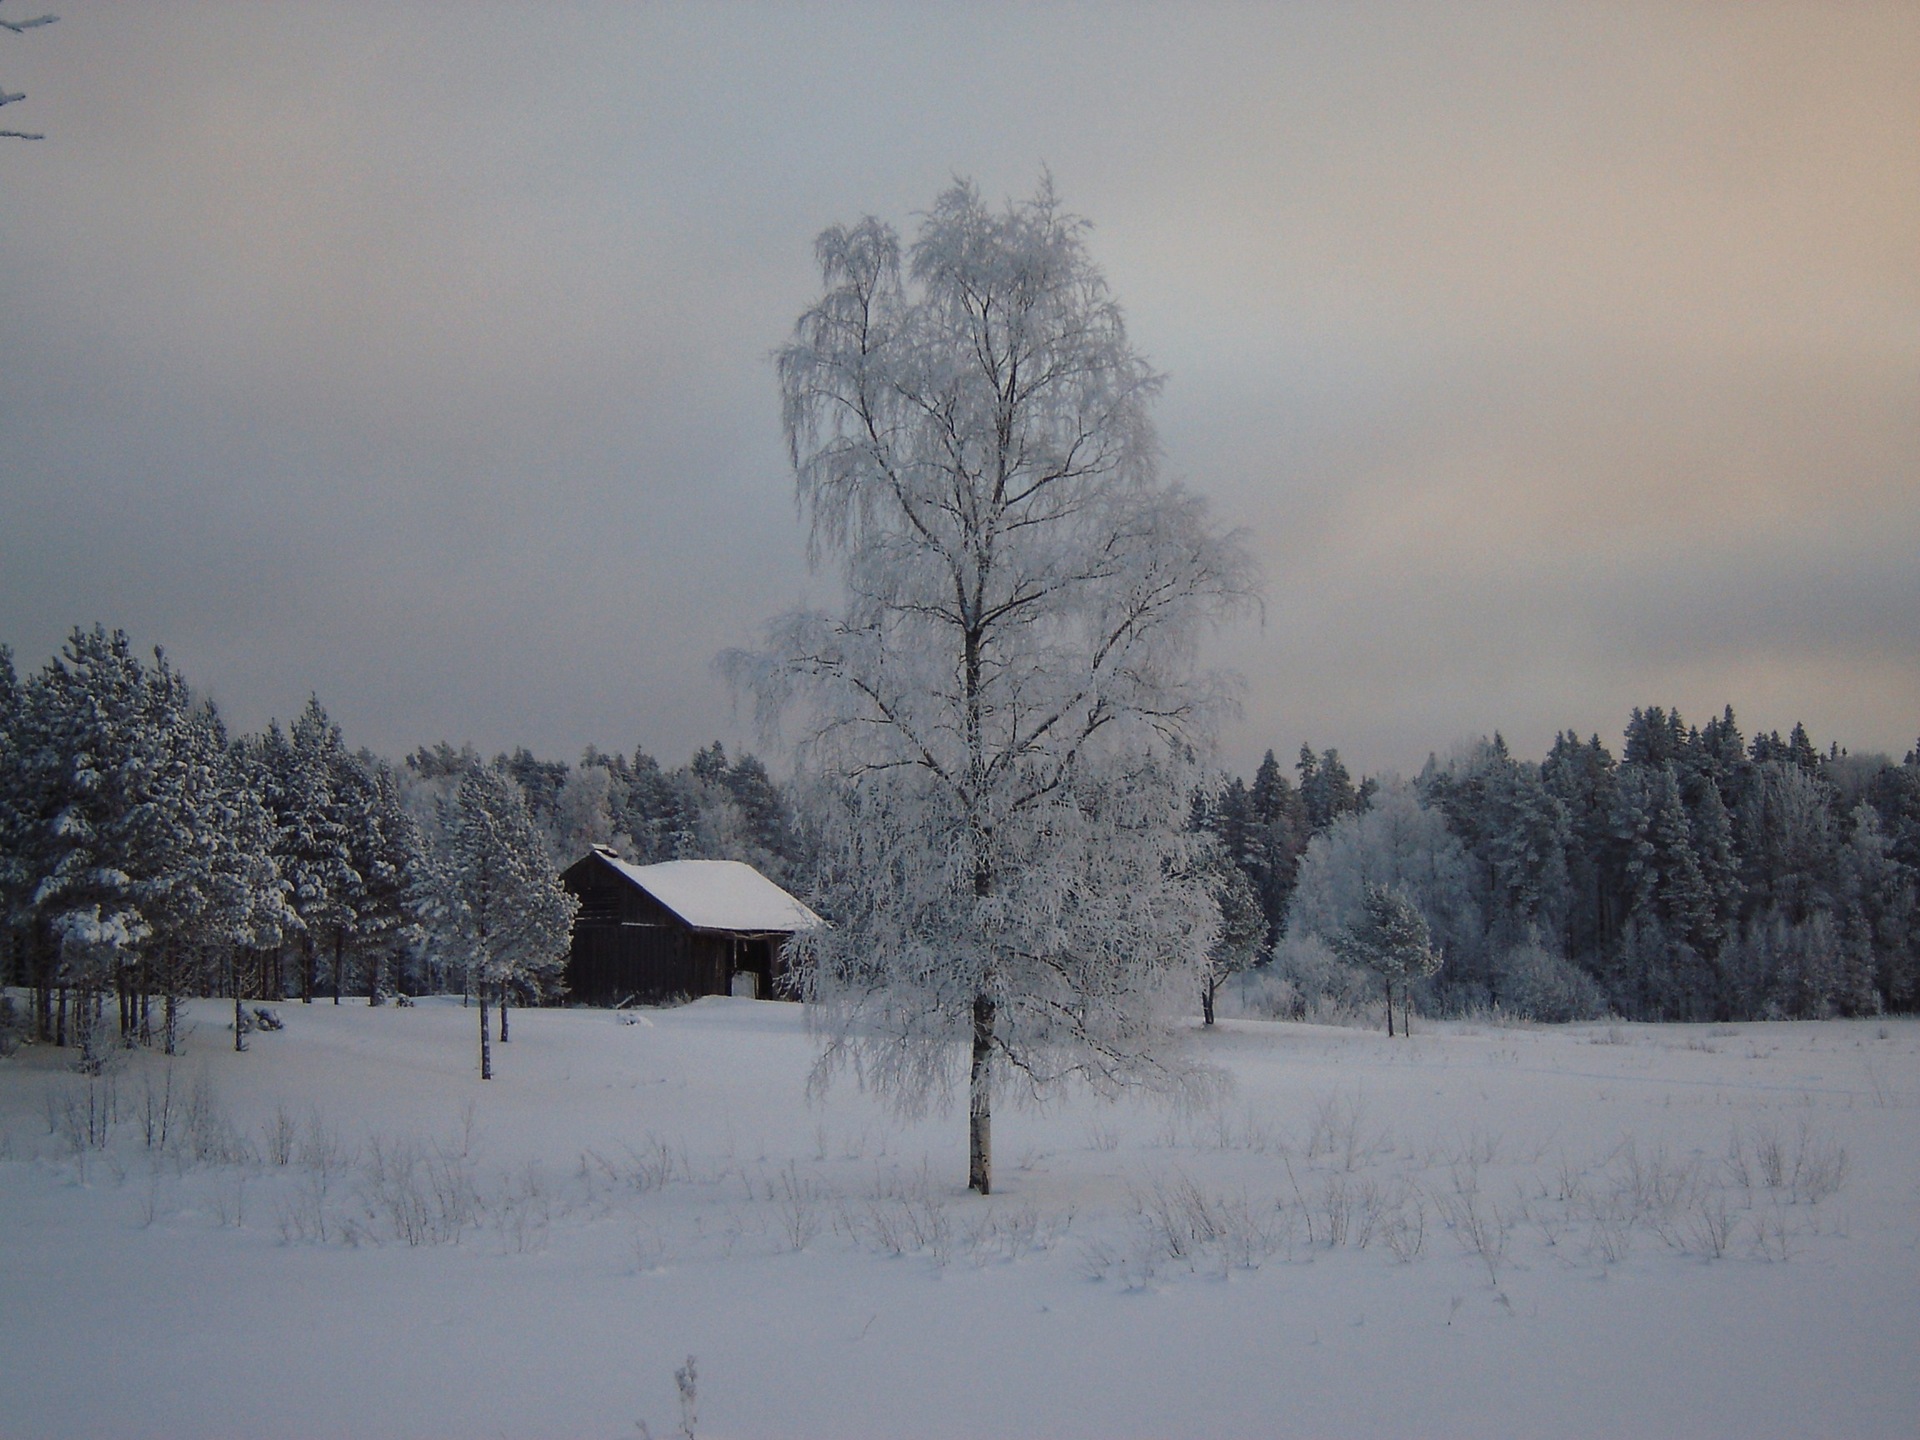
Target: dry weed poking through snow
(1425, 1190)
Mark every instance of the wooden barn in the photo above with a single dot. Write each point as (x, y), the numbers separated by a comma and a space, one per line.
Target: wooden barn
(684, 927)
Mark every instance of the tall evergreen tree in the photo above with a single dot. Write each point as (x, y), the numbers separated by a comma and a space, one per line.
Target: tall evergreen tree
(504, 911)
(1278, 835)
(92, 771)
(1326, 789)
(1666, 890)
(1583, 778)
(1390, 938)
(386, 855)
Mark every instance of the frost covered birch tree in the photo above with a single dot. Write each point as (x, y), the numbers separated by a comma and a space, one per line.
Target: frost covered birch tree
(1006, 711)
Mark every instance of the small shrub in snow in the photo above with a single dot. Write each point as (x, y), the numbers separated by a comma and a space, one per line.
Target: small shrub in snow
(1536, 984)
(1710, 1231)
(1338, 1129)
(686, 1380)
(211, 1137)
(1181, 1222)
(522, 1211)
(800, 1203)
(905, 1214)
(648, 1166)
(415, 1195)
(280, 1137)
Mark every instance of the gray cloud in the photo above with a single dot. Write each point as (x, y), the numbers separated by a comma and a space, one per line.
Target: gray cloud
(1556, 361)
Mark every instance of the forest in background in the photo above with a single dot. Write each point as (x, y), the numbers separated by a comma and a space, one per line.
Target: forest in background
(147, 855)
(1698, 875)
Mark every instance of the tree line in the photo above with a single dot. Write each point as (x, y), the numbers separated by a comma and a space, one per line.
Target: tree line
(1698, 875)
(147, 855)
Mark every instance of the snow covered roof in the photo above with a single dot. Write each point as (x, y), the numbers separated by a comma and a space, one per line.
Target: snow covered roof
(717, 894)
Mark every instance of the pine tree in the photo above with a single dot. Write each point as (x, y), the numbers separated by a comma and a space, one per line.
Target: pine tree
(1882, 899)
(256, 918)
(1389, 938)
(504, 911)
(1278, 837)
(386, 854)
(1326, 789)
(18, 830)
(91, 769)
(313, 842)
(1582, 778)
(541, 782)
(1667, 889)
(1786, 839)
(1517, 832)
(1654, 737)
(186, 896)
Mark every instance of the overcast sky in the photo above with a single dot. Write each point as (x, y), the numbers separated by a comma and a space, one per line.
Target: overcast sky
(1556, 359)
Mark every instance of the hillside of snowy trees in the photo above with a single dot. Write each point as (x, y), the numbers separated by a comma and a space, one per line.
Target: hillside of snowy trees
(147, 855)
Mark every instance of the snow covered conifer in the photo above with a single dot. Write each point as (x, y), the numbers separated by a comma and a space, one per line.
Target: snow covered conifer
(1390, 938)
(506, 913)
(384, 858)
(91, 771)
(1005, 712)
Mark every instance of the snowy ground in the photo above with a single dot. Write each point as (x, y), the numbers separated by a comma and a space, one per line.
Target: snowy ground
(1598, 1230)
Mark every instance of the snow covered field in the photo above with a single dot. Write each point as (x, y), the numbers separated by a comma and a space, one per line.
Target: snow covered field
(1598, 1230)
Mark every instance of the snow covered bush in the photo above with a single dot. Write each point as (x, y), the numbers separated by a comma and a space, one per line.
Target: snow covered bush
(1533, 983)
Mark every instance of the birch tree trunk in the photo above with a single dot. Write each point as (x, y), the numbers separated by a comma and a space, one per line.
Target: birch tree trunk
(980, 1100)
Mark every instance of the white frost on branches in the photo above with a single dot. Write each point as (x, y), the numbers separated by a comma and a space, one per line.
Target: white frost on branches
(1007, 711)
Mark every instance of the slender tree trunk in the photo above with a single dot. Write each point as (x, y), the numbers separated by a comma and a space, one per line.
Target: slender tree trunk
(503, 1014)
(42, 988)
(980, 1099)
(239, 1011)
(170, 1023)
(1206, 1000)
(146, 1005)
(374, 961)
(339, 944)
(309, 969)
(1389, 1009)
(486, 1050)
(60, 1021)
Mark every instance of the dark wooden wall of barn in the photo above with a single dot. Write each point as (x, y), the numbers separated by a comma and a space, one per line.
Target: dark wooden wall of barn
(626, 945)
